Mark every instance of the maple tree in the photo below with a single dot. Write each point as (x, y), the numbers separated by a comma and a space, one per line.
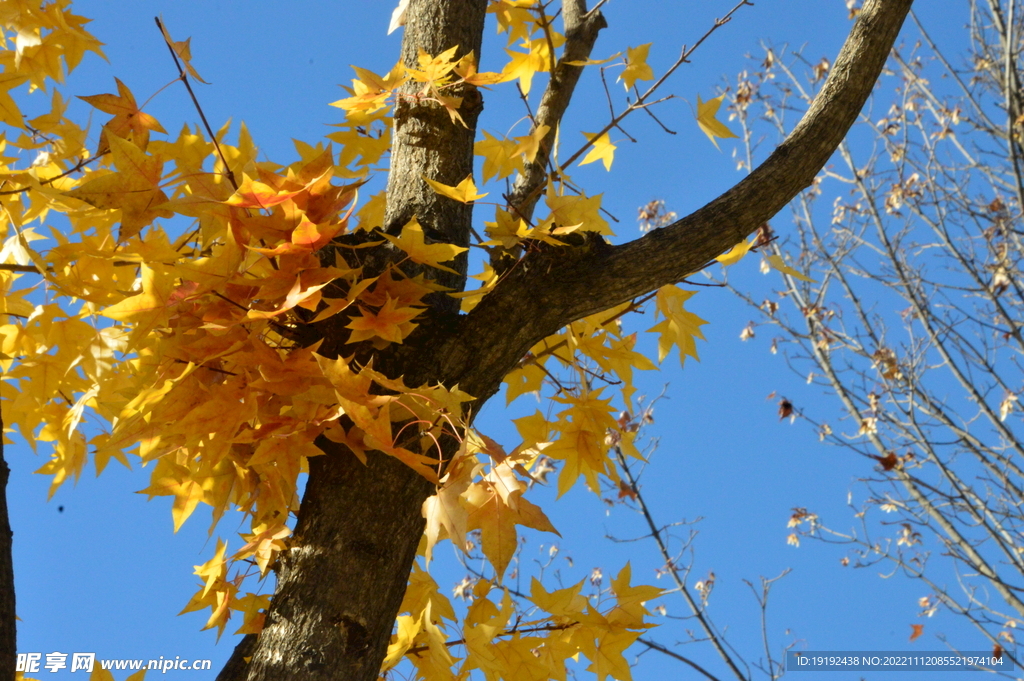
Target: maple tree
(295, 326)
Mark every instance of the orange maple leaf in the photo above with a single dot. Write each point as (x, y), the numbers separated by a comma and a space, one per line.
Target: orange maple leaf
(255, 194)
(391, 323)
(296, 296)
(127, 118)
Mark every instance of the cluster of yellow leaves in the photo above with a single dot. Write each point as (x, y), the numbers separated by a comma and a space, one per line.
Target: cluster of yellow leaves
(532, 31)
(585, 431)
(372, 95)
(492, 502)
(505, 643)
(181, 272)
(221, 595)
(183, 340)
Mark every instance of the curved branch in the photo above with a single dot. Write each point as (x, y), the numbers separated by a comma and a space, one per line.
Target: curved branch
(542, 294)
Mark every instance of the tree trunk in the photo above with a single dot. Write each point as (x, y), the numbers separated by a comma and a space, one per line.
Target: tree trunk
(341, 580)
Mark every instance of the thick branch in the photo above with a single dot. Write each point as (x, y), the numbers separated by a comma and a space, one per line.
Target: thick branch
(541, 293)
(581, 31)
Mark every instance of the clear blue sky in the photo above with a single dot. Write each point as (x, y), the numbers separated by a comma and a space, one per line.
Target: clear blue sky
(107, 575)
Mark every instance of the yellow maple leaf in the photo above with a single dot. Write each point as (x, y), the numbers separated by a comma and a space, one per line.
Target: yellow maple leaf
(370, 93)
(483, 623)
(255, 194)
(297, 296)
(213, 569)
(411, 240)
(253, 608)
(264, 543)
(434, 71)
(537, 60)
(501, 157)
(777, 263)
(508, 230)
(629, 607)
(463, 192)
(9, 111)
(170, 479)
(182, 49)
(711, 126)
(467, 70)
(529, 145)
(582, 440)
(423, 590)
(680, 326)
(134, 188)
(636, 66)
(149, 308)
(567, 602)
(443, 510)
(603, 150)
(735, 254)
(496, 506)
(572, 211)
(607, 656)
(514, 17)
(219, 600)
(69, 457)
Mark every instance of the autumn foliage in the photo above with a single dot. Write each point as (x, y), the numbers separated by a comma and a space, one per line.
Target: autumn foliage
(167, 284)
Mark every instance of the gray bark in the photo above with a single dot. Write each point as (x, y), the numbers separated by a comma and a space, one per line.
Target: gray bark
(342, 579)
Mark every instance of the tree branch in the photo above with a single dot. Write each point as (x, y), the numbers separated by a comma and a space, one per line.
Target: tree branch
(581, 29)
(546, 291)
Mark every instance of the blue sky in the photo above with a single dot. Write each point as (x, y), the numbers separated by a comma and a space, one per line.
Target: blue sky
(98, 568)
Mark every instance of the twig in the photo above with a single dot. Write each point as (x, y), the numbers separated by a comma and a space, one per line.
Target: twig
(697, 611)
(508, 632)
(671, 653)
(78, 166)
(684, 57)
(206, 124)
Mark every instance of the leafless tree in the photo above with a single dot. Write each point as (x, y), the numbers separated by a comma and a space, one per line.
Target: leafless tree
(913, 323)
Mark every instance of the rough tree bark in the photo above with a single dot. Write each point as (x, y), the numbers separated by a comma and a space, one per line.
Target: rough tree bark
(341, 581)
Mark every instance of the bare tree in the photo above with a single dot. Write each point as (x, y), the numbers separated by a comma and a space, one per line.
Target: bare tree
(913, 322)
